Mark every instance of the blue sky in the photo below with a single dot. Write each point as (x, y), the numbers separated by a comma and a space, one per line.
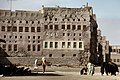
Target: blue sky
(107, 12)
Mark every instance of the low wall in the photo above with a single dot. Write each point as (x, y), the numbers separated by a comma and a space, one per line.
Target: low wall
(29, 61)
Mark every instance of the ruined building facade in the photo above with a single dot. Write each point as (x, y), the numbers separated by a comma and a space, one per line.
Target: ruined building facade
(63, 35)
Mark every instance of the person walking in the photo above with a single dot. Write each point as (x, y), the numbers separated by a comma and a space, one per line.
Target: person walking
(44, 64)
(91, 69)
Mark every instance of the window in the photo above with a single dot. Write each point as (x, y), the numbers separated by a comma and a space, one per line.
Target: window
(33, 37)
(15, 36)
(38, 47)
(32, 22)
(56, 44)
(45, 27)
(63, 34)
(84, 27)
(62, 19)
(20, 21)
(32, 29)
(79, 27)
(38, 41)
(55, 19)
(9, 47)
(33, 47)
(26, 29)
(74, 39)
(69, 45)
(68, 26)
(38, 29)
(3, 28)
(68, 19)
(74, 45)
(114, 60)
(117, 60)
(56, 27)
(73, 19)
(29, 47)
(51, 44)
(26, 22)
(74, 34)
(63, 55)
(68, 34)
(80, 44)
(63, 44)
(14, 21)
(15, 47)
(74, 55)
(4, 47)
(79, 34)
(38, 22)
(4, 36)
(78, 19)
(20, 29)
(73, 27)
(38, 37)
(14, 29)
(46, 45)
(50, 55)
(63, 26)
(8, 21)
(51, 26)
(9, 28)
(20, 36)
(10, 36)
(28, 37)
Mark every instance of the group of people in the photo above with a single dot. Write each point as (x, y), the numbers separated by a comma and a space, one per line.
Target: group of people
(43, 64)
(106, 67)
(109, 68)
(88, 69)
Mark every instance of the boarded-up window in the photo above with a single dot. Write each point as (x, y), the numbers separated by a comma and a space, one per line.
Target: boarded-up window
(56, 27)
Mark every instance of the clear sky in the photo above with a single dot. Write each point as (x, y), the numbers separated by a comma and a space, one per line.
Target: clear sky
(107, 12)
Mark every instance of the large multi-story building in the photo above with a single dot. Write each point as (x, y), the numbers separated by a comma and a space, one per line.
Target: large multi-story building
(63, 35)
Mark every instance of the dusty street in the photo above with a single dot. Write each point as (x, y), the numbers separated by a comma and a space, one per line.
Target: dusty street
(63, 73)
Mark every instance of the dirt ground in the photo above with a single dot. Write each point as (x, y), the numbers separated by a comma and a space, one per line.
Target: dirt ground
(63, 73)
